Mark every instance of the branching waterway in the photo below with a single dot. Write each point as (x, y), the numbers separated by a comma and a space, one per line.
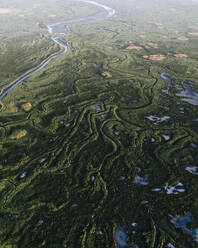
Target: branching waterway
(60, 29)
(108, 158)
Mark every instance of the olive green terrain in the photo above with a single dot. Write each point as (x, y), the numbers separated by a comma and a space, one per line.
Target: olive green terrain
(88, 135)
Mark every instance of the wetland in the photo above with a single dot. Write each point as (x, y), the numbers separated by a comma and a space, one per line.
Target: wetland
(98, 124)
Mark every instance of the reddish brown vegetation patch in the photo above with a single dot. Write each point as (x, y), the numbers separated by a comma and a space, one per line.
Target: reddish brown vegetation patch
(193, 33)
(134, 47)
(6, 11)
(181, 55)
(155, 57)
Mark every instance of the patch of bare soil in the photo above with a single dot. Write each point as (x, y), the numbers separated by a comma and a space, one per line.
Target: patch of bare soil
(181, 55)
(155, 57)
(134, 47)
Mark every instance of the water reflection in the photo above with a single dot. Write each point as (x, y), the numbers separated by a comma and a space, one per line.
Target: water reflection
(193, 170)
(167, 79)
(23, 175)
(174, 189)
(157, 120)
(60, 29)
(120, 237)
(141, 180)
(169, 245)
(182, 222)
(110, 11)
(189, 95)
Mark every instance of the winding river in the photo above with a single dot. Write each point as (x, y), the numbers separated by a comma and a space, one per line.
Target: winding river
(60, 29)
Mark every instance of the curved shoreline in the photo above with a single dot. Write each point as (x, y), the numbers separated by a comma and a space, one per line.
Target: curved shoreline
(56, 39)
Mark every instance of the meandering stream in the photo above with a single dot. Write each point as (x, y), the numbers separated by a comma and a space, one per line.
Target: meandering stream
(60, 29)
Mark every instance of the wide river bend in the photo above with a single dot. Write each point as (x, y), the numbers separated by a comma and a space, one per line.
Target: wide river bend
(60, 29)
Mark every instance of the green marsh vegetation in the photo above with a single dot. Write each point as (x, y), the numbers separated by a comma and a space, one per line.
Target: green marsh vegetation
(99, 152)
